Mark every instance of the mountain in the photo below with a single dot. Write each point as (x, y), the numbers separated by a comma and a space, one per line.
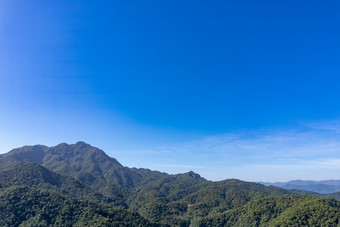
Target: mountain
(77, 159)
(78, 184)
(322, 187)
(38, 177)
(180, 198)
(335, 195)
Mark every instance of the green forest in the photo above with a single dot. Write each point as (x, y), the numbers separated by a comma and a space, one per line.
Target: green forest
(79, 185)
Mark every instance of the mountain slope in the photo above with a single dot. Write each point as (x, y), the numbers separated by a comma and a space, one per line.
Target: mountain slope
(25, 206)
(76, 159)
(179, 198)
(286, 210)
(36, 176)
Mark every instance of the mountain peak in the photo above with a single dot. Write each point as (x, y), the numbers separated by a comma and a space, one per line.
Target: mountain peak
(74, 159)
(77, 144)
(194, 175)
(82, 144)
(80, 150)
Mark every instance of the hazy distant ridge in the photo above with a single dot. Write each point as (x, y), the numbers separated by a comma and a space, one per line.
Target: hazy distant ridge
(323, 187)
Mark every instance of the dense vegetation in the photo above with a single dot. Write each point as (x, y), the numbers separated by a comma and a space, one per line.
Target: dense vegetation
(79, 185)
(32, 207)
(287, 210)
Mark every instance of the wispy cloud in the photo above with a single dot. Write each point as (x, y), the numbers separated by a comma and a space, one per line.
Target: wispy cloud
(302, 142)
(297, 150)
(305, 164)
(181, 166)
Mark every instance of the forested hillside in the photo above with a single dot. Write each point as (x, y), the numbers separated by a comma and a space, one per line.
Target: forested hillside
(25, 206)
(79, 185)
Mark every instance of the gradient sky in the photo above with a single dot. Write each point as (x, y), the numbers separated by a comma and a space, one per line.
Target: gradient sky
(228, 89)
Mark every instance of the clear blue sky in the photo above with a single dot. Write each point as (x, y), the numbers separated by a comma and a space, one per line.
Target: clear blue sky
(229, 89)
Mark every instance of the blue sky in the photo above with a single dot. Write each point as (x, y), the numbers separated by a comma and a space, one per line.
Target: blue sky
(229, 89)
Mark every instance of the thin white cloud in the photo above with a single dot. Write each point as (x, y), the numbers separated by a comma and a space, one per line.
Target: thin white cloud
(326, 125)
(306, 165)
(181, 166)
(303, 142)
(309, 151)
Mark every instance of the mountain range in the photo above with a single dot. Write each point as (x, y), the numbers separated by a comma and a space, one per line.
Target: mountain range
(322, 187)
(79, 185)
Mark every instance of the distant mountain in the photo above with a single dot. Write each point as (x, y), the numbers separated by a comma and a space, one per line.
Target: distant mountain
(322, 187)
(79, 185)
(335, 195)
